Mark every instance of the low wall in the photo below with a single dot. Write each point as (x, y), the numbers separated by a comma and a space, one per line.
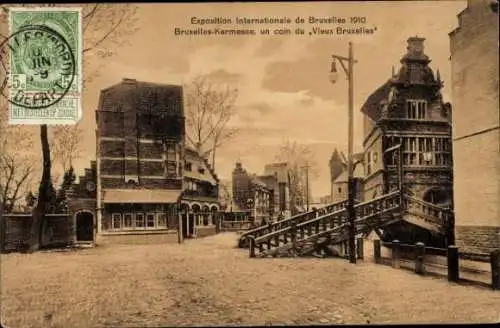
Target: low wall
(137, 237)
(205, 231)
(235, 225)
(57, 230)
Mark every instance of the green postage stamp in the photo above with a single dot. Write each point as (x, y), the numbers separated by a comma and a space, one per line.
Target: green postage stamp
(44, 77)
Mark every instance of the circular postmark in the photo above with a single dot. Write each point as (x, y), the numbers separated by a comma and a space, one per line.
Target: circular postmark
(42, 67)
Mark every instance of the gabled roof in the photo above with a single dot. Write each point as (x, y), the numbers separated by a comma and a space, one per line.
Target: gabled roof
(212, 177)
(371, 107)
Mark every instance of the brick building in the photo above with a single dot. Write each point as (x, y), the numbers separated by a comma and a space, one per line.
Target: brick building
(253, 195)
(143, 164)
(476, 121)
(408, 109)
(82, 203)
(282, 196)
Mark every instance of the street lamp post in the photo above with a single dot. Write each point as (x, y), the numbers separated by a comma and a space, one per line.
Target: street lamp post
(351, 215)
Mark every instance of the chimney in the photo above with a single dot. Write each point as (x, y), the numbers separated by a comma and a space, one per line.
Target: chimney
(415, 45)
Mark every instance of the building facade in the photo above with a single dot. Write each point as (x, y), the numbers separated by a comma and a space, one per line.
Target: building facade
(408, 110)
(253, 195)
(476, 132)
(339, 177)
(143, 164)
(407, 141)
(280, 170)
(200, 199)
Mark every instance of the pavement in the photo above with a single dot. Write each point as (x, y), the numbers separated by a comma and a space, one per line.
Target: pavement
(209, 281)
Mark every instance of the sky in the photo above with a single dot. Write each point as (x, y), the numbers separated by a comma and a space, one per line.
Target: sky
(284, 91)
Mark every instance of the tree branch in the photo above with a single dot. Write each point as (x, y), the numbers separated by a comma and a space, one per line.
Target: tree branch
(111, 30)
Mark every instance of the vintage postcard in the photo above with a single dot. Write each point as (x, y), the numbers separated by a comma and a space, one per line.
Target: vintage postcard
(44, 83)
(249, 163)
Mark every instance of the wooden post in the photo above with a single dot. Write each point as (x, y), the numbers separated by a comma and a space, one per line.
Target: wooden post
(495, 269)
(376, 251)
(180, 237)
(293, 233)
(395, 254)
(359, 248)
(251, 246)
(420, 256)
(3, 230)
(453, 268)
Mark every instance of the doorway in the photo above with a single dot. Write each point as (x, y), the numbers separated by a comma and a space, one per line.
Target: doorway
(85, 226)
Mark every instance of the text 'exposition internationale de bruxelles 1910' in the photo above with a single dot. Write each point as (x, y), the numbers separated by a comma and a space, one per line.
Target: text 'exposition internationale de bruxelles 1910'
(311, 25)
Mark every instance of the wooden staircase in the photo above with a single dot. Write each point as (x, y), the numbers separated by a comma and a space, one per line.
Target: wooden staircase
(296, 219)
(312, 232)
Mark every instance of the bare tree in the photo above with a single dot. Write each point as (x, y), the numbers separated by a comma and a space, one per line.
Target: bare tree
(105, 29)
(209, 107)
(66, 145)
(17, 163)
(297, 156)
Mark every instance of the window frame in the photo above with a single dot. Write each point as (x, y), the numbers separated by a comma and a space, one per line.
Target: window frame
(132, 221)
(113, 217)
(146, 222)
(416, 109)
(158, 220)
(136, 216)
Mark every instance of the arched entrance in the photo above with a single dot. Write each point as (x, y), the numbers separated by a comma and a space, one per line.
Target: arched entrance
(437, 196)
(84, 226)
(193, 218)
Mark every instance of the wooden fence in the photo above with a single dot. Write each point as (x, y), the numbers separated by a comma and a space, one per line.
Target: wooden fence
(228, 225)
(457, 266)
(57, 230)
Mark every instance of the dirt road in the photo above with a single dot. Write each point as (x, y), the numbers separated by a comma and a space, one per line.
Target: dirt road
(210, 282)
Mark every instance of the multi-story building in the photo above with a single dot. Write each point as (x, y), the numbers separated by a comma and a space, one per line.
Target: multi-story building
(476, 127)
(143, 165)
(408, 110)
(339, 177)
(252, 195)
(280, 170)
(199, 200)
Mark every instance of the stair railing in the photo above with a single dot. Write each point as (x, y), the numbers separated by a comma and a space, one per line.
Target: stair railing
(429, 212)
(326, 224)
(301, 217)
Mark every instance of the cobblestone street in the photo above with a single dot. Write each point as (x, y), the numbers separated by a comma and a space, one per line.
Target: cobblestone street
(210, 282)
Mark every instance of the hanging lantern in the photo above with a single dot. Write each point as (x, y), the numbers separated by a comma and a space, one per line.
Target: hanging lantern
(334, 75)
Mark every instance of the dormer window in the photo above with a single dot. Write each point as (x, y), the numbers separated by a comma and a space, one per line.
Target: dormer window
(201, 170)
(188, 166)
(416, 109)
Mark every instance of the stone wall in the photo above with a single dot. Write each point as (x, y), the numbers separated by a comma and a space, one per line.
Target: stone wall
(477, 239)
(58, 230)
(475, 83)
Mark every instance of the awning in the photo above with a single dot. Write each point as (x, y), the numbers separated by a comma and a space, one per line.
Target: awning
(157, 196)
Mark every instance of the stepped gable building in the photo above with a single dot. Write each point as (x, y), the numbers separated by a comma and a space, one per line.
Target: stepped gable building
(252, 195)
(476, 127)
(143, 164)
(82, 204)
(409, 110)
